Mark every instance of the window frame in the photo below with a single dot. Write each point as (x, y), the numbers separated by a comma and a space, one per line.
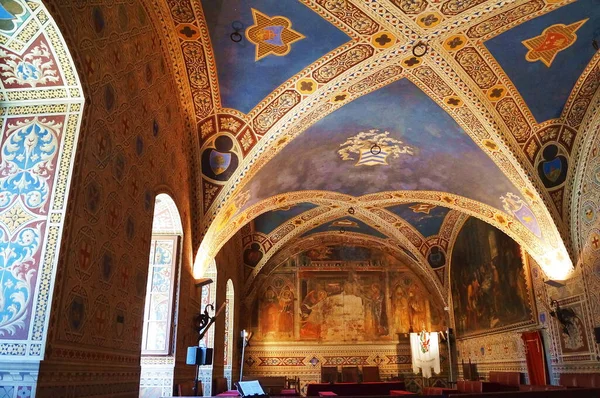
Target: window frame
(176, 254)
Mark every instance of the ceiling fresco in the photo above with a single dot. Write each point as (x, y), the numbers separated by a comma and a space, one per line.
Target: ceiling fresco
(333, 248)
(418, 146)
(287, 37)
(544, 57)
(455, 127)
(426, 218)
(346, 224)
(267, 222)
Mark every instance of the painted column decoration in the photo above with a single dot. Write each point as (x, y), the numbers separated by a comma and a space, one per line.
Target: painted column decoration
(41, 103)
(229, 334)
(425, 352)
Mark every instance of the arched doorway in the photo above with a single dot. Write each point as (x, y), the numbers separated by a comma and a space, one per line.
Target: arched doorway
(41, 105)
(158, 337)
(229, 333)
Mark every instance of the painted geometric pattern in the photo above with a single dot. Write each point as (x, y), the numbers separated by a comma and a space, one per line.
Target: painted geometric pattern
(499, 15)
(281, 361)
(271, 35)
(37, 144)
(554, 39)
(29, 148)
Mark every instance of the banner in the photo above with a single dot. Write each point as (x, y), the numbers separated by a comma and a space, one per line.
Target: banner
(425, 352)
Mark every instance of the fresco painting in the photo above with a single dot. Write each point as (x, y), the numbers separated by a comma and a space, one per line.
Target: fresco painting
(278, 39)
(343, 306)
(335, 294)
(490, 287)
(416, 146)
(276, 308)
(545, 78)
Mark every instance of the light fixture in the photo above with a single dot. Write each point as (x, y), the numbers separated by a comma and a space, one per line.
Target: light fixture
(563, 315)
(553, 283)
(236, 36)
(420, 49)
(246, 336)
(203, 282)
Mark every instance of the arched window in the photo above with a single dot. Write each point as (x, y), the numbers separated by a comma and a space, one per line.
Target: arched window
(229, 333)
(163, 265)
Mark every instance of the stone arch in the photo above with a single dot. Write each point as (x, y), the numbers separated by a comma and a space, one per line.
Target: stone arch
(41, 103)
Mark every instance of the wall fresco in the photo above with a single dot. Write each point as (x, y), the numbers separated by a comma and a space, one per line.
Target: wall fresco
(343, 294)
(489, 281)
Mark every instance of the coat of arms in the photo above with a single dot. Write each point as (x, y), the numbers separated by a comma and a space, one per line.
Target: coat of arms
(553, 40)
(271, 35)
(518, 208)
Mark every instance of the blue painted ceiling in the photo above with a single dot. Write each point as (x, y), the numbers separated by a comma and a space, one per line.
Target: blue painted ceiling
(349, 224)
(445, 159)
(427, 223)
(269, 221)
(243, 81)
(546, 89)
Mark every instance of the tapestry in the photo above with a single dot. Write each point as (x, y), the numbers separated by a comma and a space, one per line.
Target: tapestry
(490, 285)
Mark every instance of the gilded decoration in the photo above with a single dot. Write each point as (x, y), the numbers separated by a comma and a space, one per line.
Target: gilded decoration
(540, 158)
(553, 40)
(271, 35)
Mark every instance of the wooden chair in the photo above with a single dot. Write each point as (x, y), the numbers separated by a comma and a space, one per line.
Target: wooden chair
(219, 385)
(470, 371)
(186, 389)
(350, 374)
(370, 373)
(293, 383)
(329, 374)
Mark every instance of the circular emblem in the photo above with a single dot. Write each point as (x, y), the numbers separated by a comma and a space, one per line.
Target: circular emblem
(589, 212)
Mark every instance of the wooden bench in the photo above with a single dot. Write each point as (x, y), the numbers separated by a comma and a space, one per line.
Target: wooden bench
(562, 393)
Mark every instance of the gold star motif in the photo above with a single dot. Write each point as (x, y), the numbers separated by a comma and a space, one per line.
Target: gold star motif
(271, 35)
(422, 208)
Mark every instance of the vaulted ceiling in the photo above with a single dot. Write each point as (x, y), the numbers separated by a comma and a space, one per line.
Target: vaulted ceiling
(389, 121)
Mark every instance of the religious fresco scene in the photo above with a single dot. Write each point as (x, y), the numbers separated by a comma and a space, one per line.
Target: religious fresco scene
(489, 280)
(340, 294)
(404, 193)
